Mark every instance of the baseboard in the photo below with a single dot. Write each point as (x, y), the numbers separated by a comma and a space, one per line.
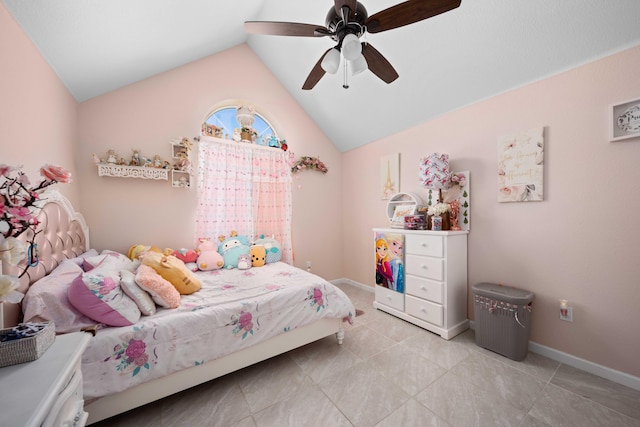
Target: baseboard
(353, 283)
(585, 365)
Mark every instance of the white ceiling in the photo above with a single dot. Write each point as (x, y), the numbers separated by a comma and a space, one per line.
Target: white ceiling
(480, 49)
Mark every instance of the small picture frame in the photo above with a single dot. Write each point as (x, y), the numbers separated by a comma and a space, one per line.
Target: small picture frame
(400, 212)
(624, 120)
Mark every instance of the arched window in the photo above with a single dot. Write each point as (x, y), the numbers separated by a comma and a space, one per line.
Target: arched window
(243, 187)
(222, 123)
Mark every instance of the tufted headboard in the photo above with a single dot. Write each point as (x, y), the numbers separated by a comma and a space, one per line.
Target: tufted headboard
(63, 234)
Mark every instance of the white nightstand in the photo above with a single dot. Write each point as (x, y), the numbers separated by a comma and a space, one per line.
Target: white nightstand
(47, 391)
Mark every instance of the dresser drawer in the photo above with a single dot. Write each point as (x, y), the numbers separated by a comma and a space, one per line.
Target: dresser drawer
(390, 298)
(424, 245)
(425, 289)
(425, 310)
(429, 268)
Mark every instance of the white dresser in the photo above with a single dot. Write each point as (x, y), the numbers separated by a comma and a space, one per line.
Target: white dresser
(48, 391)
(435, 281)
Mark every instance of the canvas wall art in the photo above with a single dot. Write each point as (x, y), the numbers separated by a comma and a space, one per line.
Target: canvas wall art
(389, 176)
(521, 166)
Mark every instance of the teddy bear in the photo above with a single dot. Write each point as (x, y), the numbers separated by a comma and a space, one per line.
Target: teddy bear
(232, 247)
(208, 256)
(135, 251)
(244, 262)
(258, 255)
(188, 256)
(272, 247)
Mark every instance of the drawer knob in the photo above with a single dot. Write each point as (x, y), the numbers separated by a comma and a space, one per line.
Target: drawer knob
(423, 244)
(423, 266)
(422, 309)
(423, 287)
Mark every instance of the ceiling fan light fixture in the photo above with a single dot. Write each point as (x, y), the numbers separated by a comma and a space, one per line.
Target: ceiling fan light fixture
(359, 65)
(351, 47)
(331, 61)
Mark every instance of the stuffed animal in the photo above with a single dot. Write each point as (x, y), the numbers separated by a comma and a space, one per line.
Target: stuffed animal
(208, 258)
(272, 246)
(258, 255)
(174, 271)
(244, 262)
(232, 247)
(136, 250)
(188, 256)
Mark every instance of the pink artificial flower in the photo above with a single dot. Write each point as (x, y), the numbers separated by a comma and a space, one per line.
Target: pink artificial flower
(20, 213)
(55, 173)
(5, 170)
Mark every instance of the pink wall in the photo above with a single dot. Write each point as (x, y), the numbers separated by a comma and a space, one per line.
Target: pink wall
(37, 113)
(150, 113)
(579, 244)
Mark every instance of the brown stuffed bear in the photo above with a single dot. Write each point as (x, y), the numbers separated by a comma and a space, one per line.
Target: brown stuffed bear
(174, 271)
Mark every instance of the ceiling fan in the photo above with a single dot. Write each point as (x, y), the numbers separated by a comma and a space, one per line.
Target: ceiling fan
(345, 23)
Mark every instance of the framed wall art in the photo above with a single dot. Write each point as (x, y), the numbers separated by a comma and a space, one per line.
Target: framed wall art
(389, 176)
(624, 120)
(521, 166)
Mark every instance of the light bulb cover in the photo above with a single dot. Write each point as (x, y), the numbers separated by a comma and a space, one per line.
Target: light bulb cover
(331, 61)
(359, 65)
(351, 47)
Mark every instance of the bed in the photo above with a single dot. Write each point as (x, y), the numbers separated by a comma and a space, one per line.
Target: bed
(238, 318)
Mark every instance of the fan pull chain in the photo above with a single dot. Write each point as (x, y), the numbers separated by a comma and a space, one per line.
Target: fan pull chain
(345, 84)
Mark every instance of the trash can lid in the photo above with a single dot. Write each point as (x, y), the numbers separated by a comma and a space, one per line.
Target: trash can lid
(503, 293)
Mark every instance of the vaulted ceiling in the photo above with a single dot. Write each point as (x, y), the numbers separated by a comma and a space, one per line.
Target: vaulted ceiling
(482, 48)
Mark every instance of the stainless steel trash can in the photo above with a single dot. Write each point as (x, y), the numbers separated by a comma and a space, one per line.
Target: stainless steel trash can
(503, 319)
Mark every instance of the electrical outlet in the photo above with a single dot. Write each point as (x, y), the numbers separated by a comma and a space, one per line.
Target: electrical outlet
(569, 316)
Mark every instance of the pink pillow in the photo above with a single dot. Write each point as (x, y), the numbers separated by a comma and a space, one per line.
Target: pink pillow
(140, 296)
(47, 300)
(98, 295)
(161, 290)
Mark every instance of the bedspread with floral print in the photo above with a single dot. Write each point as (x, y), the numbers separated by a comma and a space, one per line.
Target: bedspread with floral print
(234, 309)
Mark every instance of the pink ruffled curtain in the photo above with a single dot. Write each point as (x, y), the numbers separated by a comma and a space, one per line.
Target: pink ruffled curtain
(246, 188)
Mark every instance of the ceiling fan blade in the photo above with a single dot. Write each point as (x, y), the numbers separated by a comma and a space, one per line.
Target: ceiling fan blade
(351, 4)
(378, 64)
(316, 74)
(407, 13)
(285, 29)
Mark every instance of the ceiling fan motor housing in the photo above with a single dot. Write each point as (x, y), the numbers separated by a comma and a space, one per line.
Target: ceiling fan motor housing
(355, 24)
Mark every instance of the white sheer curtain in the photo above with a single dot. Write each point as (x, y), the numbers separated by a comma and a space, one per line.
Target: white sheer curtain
(246, 188)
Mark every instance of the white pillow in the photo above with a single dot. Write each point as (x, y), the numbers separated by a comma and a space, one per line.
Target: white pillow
(140, 296)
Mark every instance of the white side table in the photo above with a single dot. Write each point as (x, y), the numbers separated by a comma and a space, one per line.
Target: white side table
(47, 391)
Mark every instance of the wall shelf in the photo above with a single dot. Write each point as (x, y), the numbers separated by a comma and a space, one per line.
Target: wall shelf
(133, 172)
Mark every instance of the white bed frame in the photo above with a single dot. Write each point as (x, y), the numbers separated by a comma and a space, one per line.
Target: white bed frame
(66, 235)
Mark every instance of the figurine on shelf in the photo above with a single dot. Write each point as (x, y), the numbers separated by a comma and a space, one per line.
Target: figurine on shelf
(112, 157)
(157, 161)
(183, 163)
(135, 157)
(122, 161)
(188, 145)
(96, 159)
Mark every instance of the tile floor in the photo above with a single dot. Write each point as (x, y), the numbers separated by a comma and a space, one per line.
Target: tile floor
(390, 373)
